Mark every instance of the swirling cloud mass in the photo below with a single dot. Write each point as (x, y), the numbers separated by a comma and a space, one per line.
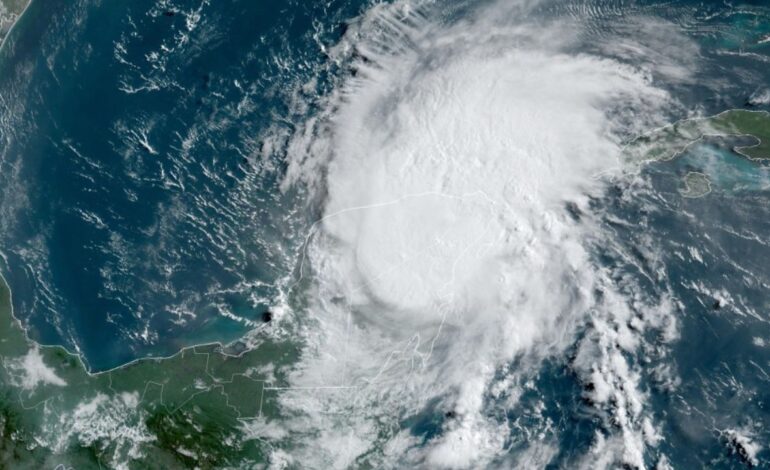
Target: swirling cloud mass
(456, 165)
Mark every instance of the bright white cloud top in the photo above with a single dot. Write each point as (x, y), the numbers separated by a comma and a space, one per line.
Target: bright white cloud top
(446, 250)
(449, 234)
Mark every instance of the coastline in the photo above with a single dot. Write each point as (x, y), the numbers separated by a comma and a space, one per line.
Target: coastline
(46, 388)
(6, 41)
(23, 45)
(19, 17)
(735, 130)
(5, 290)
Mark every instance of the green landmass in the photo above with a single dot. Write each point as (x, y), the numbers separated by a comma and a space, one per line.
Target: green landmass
(201, 408)
(670, 141)
(10, 10)
(696, 185)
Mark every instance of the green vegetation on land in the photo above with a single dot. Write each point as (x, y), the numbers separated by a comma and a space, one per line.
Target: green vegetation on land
(670, 141)
(185, 411)
(696, 185)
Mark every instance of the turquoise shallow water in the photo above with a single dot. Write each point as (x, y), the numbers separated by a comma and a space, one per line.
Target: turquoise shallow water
(142, 214)
(140, 200)
(140, 208)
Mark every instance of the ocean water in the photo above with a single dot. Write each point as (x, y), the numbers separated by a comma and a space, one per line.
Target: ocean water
(171, 171)
(141, 213)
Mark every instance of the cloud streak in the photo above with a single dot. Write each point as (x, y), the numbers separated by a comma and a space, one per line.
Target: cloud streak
(458, 161)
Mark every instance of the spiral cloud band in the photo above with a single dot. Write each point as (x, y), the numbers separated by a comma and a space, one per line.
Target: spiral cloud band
(457, 164)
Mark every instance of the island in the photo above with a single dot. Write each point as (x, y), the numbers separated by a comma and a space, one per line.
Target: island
(696, 185)
(670, 141)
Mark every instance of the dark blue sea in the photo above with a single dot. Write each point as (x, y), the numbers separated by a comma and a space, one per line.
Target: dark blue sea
(141, 206)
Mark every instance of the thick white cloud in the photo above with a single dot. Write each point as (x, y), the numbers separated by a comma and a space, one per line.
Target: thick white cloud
(446, 250)
(31, 370)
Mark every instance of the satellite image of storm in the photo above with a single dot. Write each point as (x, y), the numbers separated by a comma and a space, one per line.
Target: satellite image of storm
(384, 234)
